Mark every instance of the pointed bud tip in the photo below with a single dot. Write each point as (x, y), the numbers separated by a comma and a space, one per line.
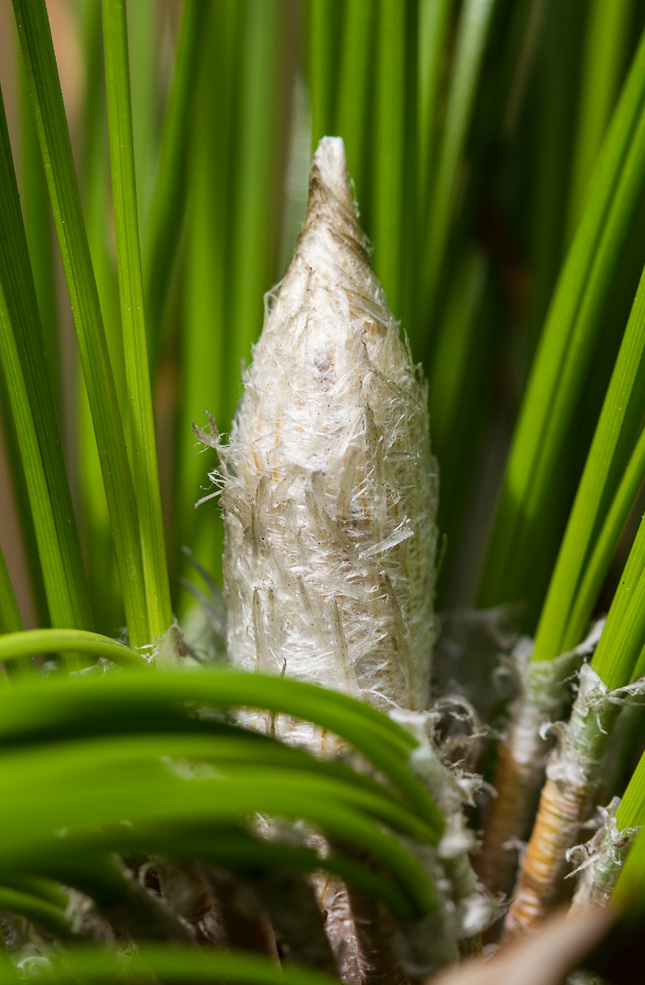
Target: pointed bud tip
(331, 201)
(331, 163)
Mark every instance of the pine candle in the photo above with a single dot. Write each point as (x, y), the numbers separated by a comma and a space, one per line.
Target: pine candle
(329, 487)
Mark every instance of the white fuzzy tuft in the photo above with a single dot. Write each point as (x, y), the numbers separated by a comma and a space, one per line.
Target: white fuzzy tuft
(329, 488)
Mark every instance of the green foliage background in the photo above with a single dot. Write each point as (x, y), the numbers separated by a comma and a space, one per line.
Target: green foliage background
(471, 158)
(498, 153)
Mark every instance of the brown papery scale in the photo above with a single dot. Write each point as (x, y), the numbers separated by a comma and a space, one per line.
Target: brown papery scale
(329, 489)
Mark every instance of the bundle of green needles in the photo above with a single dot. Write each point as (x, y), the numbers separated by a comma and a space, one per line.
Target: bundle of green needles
(322, 617)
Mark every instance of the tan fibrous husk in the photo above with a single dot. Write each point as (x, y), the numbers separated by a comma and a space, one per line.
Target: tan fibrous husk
(329, 489)
(521, 757)
(573, 775)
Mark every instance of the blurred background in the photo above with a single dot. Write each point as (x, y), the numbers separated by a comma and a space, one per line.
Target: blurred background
(471, 129)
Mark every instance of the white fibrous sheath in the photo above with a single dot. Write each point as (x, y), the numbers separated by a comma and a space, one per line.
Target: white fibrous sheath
(329, 489)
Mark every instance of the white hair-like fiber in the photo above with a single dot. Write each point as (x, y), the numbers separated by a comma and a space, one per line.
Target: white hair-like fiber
(329, 488)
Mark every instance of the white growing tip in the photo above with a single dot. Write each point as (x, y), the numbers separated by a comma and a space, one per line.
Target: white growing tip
(329, 489)
(331, 163)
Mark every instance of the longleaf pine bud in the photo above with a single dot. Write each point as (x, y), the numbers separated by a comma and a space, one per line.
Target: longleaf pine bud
(329, 488)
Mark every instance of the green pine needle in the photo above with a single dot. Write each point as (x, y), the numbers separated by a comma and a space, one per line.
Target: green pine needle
(126, 223)
(47, 100)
